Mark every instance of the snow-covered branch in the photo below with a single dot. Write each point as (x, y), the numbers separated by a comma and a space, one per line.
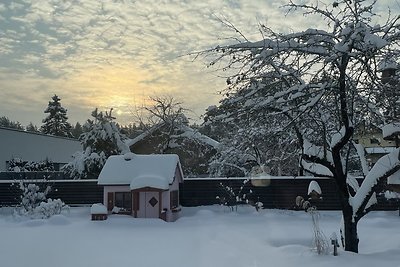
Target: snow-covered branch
(316, 169)
(383, 168)
(327, 80)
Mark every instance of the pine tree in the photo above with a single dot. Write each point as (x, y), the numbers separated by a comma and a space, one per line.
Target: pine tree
(77, 130)
(56, 122)
(6, 122)
(32, 128)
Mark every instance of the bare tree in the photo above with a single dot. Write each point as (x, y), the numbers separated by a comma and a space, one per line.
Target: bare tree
(166, 114)
(250, 140)
(325, 82)
(167, 131)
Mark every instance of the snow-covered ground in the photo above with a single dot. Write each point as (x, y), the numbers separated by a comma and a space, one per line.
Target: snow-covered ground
(204, 236)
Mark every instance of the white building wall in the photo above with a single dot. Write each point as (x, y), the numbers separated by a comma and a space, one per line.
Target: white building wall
(35, 147)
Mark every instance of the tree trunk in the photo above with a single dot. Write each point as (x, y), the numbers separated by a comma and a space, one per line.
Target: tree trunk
(349, 235)
(350, 230)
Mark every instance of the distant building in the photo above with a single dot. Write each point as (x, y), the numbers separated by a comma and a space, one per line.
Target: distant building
(376, 142)
(36, 147)
(373, 142)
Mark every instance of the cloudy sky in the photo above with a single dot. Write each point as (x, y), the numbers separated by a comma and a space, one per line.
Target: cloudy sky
(117, 53)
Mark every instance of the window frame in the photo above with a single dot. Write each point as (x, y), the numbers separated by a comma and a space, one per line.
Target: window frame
(124, 203)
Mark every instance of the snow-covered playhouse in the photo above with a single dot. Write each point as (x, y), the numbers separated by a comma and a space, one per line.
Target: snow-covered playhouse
(144, 186)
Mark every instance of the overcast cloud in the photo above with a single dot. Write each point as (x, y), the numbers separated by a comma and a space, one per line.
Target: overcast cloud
(117, 53)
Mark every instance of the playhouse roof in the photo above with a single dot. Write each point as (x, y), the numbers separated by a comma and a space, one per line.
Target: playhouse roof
(155, 170)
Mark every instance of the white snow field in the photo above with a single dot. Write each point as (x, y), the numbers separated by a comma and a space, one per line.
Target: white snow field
(205, 237)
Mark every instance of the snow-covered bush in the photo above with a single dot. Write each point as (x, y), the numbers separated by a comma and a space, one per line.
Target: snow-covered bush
(232, 197)
(34, 203)
(19, 165)
(32, 195)
(48, 208)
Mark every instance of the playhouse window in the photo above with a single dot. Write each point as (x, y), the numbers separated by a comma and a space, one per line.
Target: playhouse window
(174, 197)
(123, 201)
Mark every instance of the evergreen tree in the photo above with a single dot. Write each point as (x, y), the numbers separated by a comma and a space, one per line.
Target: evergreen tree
(32, 128)
(56, 122)
(102, 140)
(77, 130)
(6, 122)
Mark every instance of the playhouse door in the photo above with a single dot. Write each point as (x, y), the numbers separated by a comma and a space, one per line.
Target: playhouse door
(152, 204)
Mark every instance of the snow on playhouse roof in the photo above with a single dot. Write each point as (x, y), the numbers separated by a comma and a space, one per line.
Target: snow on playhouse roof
(157, 171)
(149, 181)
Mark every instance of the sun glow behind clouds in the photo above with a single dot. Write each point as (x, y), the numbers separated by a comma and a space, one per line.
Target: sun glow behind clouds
(120, 86)
(118, 53)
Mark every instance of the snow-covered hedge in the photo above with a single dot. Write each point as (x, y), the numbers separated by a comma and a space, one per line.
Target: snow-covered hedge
(19, 165)
(34, 203)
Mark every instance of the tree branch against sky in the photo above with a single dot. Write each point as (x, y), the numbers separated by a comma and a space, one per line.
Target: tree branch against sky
(327, 80)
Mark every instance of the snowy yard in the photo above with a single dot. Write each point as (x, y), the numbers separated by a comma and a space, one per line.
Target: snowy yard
(204, 236)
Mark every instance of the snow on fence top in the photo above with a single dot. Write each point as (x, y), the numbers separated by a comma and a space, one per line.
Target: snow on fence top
(261, 177)
(139, 170)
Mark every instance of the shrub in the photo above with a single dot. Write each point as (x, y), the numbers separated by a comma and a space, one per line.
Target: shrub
(232, 197)
(34, 203)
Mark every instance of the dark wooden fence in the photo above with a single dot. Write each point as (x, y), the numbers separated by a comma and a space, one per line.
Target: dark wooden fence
(52, 175)
(279, 192)
(72, 192)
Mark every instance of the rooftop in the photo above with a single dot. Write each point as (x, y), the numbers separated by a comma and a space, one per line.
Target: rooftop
(155, 170)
